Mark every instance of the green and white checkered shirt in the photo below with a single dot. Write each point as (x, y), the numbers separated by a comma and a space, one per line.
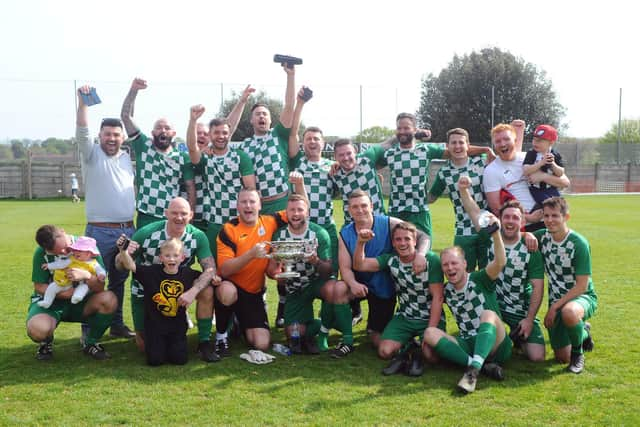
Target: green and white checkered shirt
(447, 178)
(409, 176)
(468, 303)
(150, 238)
(308, 272)
(199, 211)
(223, 175)
(158, 175)
(319, 187)
(270, 157)
(513, 285)
(565, 260)
(414, 298)
(364, 177)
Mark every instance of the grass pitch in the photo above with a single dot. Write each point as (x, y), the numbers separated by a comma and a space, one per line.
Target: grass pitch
(75, 390)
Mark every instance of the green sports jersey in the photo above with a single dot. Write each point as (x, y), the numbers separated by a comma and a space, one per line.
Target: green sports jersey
(513, 285)
(158, 175)
(198, 181)
(565, 260)
(308, 272)
(409, 169)
(223, 178)
(270, 157)
(467, 304)
(414, 298)
(364, 177)
(151, 236)
(319, 187)
(447, 178)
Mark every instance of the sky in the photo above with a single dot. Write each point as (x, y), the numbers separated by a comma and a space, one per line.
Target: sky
(198, 52)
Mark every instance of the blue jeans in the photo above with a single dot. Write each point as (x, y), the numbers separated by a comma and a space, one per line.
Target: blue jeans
(106, 239)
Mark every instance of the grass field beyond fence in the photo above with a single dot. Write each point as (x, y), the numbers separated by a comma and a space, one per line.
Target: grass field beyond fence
(315, 390)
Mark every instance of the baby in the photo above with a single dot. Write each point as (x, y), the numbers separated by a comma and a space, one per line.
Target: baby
(83, 256)
(543, 159)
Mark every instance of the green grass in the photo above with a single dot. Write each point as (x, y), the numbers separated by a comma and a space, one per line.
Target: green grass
(74, 390)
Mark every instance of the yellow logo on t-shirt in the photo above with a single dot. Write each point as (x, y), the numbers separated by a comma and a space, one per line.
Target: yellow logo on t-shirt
(167, 298)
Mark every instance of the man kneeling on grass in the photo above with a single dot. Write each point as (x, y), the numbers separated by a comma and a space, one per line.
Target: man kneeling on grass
(96, 309)
(169, 288)
(420, 298)
(471, 297)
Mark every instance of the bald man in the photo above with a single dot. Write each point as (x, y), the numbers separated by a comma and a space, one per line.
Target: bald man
(145, 248)
(160, 169)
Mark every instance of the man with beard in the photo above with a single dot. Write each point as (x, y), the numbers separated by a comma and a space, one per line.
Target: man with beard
(159, 167)
(520, 285)
(205, 137)
(504, 178)
(269, 149)
(315, 274)
(409, 167)
(110, 198)
(145, 248)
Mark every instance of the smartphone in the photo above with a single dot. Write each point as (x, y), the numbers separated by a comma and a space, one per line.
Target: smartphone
(91, 98)
(307, 94)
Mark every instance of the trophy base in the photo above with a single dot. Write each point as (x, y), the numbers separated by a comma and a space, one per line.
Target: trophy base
(287, 275)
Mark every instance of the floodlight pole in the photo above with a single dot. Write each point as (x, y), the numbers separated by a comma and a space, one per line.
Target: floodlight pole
(360, 136)
(619, 126)
(493, 104)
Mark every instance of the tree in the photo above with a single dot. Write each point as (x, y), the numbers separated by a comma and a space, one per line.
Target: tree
(245, 129)
(374, 134)
(629, 132)
(460, 96)
(18, 149)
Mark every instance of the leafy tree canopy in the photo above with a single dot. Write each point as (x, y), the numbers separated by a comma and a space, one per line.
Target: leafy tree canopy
(629, 132)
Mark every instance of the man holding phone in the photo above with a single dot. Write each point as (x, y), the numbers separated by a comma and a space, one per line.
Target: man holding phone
(110, 198)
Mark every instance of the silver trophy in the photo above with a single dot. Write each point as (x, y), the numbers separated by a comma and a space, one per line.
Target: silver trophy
(289, 252)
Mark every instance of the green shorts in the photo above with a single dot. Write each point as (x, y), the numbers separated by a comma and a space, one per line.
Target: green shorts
(143, 219)
(62, 310)
(137, 312)
(333, 235)
(212, 235)
(536, 336)
(401, 329)
(501, 355)
(299, 305)
(273, 206)
(476, 250)
(422, 220)
(558, 335)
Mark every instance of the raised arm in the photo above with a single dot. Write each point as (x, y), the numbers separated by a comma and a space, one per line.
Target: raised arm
(470, 206)
(294, 143)
(192, 136)
(495, 267)
(123, 260)
(81, 116)
(286, 117)
(360, 262)
(236, 113)
(126, 114)
(519, 126)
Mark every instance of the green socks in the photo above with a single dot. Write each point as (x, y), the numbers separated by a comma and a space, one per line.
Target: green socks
(98, 323)
(577, 334)
(343, 322)
(452, 351)
(485, 340)
(312, 328)
(204, 329)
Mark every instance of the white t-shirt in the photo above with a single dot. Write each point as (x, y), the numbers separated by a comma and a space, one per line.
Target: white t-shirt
(509, 175)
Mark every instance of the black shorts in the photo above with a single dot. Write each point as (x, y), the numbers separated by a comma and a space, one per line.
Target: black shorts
(250, 309)
(380, 312)
(162, 348)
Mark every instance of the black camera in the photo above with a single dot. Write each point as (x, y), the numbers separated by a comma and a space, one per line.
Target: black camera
(420, 135)
(285, 59)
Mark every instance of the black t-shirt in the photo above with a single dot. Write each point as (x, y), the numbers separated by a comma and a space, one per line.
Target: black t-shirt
(530, 159)
(161, 292)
